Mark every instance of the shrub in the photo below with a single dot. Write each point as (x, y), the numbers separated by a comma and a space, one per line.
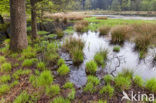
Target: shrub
(93, 79)
(142, 43)
(104, 30)
(138, 81)
(68, 85)
(53, 90)
(59, 32)
(27, 62)
(45, 78)
(41, 65)
(6, 67)
(2, 59)
(119, 34)
(60, 100)
(108, 90)
(151, 85)
(91, 67)
(116, 49)
(5, 79)
(63, 70)
(60, 62)
(122, 82)
(108, 78)
(22, 98)
(71, 95)
(100, 57)
(4, 88)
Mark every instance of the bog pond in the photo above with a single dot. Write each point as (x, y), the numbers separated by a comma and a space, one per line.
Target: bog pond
(126, 58)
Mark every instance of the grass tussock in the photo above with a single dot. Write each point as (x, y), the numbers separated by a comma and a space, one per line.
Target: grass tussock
(59, 32)
(81, 26)
(102, 18)
(104, 30)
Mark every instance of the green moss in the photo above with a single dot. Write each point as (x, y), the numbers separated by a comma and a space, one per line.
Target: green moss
(68, 85)
(63, 70)
(108, 78)
(2, 59)
(151, 85)
(28, 62)
(138, 81)
(108, 90)
(89, 87)
(71, 94)
(93, 79)
(53, 90)
(6, 67)
(20, 72)
(91, 67)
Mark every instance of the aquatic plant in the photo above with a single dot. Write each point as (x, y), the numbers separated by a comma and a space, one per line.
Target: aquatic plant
(4, 88)
(108, 90)
(122, 82)
(60, 99)
(81, 26)
(41, 65)
(102, 18)
(104, 30)
(127, 73)
(60, 62)
(151, 85)
(91, 67)
(59, 32)
(6, 67)
(45, 78)
(89, 87)
(116, 49)
(138, 81)
(52, 90)
(63, 70)
(101, 57)
(22, 98)
(141, 54)
(108, 78)
(93, 79)
(68, 85)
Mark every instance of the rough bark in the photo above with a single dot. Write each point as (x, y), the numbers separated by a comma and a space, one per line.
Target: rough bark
(33, 19)
(18, 25)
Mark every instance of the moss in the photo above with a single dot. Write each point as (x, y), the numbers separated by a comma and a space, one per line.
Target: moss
(5, 79)
(68, 85)
(91, 67)
(108, 78)
(53, 90)
(63, 70)
(108, 90)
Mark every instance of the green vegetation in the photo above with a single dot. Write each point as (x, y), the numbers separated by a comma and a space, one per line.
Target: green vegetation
(108, 90)
(104, 30)
(151, 85)
(4, 88)
(5, 78)
(68, 85)
(60, 100)
(6, 67)
(101, 57)
(60, 62)
(42, 32)
(41, 65)
(71, 95)
(91, 67)
(22, 98)
(138, 81)
(2, 59)
(53, 90)
(21, 72)
(28, 62)
(63, 70)
(108, 78)
(59, 32)
(81, 26)
(116, 49)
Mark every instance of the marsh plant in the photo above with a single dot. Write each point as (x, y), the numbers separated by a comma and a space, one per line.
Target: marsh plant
(63, 70)
(71, 94)
(4, 88)
(41, 65)
(6, 67)
(151, 85)
(53, 90)
(104, 30)
(108, 78)
(81, 26)
(91, 67)
(59, 32)
(24, 97)
(2, 59)
(60, 99)
(68, 85)
(101, 57)
(138, 81)
(116, 49)
(108, 90)
(60, 62)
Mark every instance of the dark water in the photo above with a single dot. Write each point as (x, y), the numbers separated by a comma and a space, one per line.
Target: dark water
(127, 58)
(127, 17)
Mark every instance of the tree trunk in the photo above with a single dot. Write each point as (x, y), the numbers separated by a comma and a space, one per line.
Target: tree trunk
(18, 25)
(33, 19)
(1, 19)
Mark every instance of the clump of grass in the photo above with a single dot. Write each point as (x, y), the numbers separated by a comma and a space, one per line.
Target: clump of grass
(6, 67)
(45, 78)
(53, 90)
(59, 32)
(2, 59)
(60, 62)
(108, 79)
(116, 49)
(28, 62)
(138, 81)
(89, 87)
(75, 47)
(102, 18)
(119, 34)
(21, 72)
(22, 98)
(151, 85)
(141, 54)
(104, 30)
(65, 20)
(60, 99)
(68, 85)
(108, 90)
(5, 79)
(127, 73)
(71, 95)
(142, 42)
(81, 26)
(29, 52)
(91, 67)
(101, 57)
(4, 88)
(63, 70)
(41, 65)
(122, 82)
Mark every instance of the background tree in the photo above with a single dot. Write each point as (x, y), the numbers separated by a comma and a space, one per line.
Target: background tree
(4, 8)
(18, 25)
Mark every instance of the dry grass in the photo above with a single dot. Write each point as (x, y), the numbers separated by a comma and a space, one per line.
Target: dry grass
(104, 30)
(102, 18)
(59, 32)
(81, 26)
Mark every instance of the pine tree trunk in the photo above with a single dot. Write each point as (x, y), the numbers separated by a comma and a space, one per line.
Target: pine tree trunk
(33, 19)
(18, 25)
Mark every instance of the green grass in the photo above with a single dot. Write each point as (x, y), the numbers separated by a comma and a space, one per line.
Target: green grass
(53, 90)
(108, 79)
(116, 49)
(60, 99)
(41, 65)
(63, 70)
(138, 81)
(101, 57)
(60, 62)
(71, 94)
(93, 79)
(4, 88)
(89, 87)
(21, 72)
(91, 67)
(6, 67)
(28, 62)
(151, 85)
(5, 78)
(68, 85)
(69, 30)
(108, 90)
(22, 98)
